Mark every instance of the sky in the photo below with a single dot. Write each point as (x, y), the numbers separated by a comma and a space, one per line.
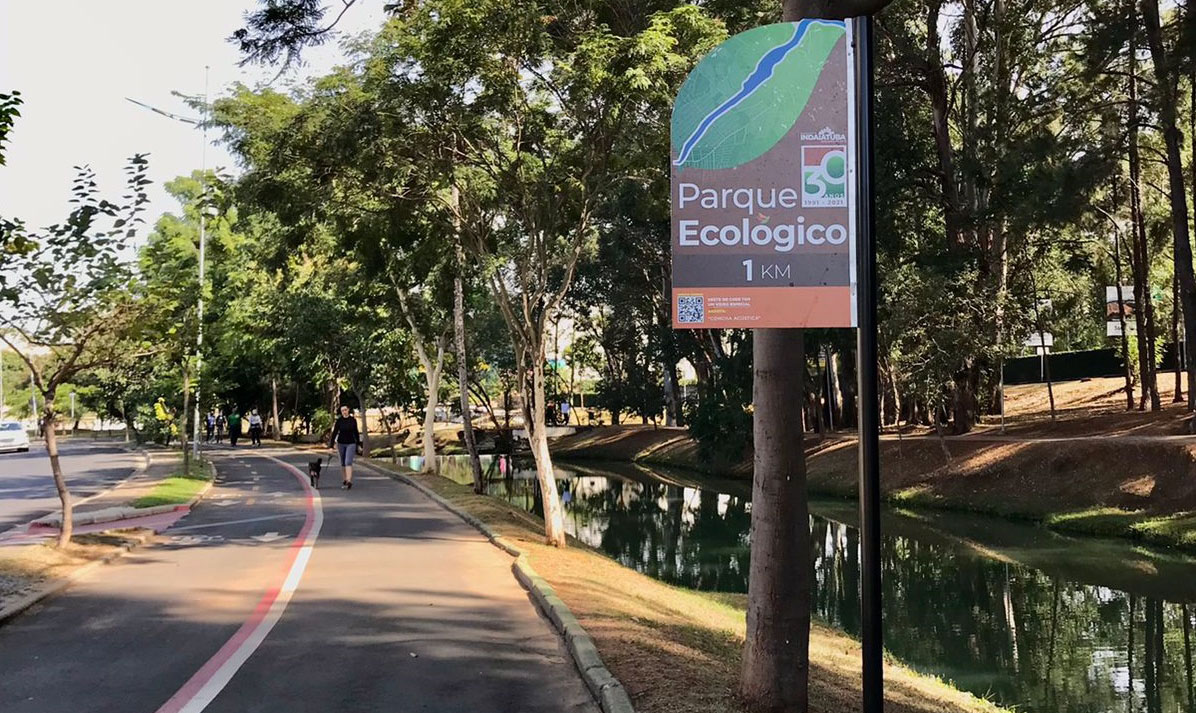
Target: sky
(75, 62)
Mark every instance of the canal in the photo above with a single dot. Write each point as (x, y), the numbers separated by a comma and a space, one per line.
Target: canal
(1028, 618)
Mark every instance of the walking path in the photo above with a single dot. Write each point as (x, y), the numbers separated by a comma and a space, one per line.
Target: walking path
(269, 597)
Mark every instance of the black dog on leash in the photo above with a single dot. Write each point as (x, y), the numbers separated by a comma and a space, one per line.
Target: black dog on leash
(313, 471)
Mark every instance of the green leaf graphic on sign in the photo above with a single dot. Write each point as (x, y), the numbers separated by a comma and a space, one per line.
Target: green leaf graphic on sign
(746, 94)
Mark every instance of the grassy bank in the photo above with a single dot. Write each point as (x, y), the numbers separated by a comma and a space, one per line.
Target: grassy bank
(678, 650)
(1140, 488)
(1134, 488)
(671, 447)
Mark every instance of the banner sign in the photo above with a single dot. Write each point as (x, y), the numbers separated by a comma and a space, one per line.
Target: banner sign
(1040, 340)
(1114, 310)
(763, 182)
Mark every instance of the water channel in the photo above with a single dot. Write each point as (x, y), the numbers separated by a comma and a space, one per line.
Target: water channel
(1031, 619)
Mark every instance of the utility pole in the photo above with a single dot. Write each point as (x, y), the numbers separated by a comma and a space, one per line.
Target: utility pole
(202, 123)
(203, 209)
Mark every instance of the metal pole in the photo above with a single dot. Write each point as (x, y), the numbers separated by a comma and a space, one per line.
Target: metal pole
(870, 580)
(203, 194)
(72, 413)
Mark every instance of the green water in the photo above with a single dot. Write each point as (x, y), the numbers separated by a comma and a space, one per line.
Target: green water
(1030, 619)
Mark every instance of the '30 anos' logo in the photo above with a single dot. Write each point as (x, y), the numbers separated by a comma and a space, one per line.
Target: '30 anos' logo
(824, 176)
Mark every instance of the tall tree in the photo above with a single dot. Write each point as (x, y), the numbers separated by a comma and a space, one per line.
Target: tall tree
(67, 303)
(1166, 63)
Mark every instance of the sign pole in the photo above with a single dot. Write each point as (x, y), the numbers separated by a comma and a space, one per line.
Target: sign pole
(870, 589)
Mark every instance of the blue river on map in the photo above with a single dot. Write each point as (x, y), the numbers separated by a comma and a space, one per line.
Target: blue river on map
(761, 74)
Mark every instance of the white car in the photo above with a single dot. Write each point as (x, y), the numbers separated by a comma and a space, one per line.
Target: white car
(13, 437)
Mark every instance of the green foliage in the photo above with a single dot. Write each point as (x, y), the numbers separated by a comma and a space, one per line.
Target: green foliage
(10, 109)
(321, 421)
(68, 296)
(720, 416)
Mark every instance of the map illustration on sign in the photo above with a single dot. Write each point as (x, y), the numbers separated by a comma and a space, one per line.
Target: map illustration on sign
(762, 182)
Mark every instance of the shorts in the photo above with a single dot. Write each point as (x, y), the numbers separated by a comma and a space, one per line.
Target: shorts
(347, 451)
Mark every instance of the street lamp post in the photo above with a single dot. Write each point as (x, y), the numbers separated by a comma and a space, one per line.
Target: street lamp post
(202, 123)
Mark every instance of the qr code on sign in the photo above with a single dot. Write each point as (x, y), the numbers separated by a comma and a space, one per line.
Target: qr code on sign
(691, 309)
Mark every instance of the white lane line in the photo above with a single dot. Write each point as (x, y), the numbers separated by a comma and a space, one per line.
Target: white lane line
(210, 680)
(234, 522)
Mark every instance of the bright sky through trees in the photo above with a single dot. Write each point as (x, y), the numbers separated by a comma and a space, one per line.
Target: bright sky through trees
(75, 62)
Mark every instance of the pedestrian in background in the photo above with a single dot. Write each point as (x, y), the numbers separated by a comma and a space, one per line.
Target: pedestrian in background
(209, 426)
(255, 428)
(220, 423)
(234, 427)
(346, 439)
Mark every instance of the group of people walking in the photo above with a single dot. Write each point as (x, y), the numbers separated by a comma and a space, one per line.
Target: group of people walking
(345, 439)
(216, 423)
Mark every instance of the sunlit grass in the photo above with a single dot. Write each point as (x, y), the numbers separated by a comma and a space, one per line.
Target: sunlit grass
(1175, 529)
(175, 490)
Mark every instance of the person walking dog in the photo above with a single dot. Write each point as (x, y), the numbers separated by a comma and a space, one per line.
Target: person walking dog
(346, 439)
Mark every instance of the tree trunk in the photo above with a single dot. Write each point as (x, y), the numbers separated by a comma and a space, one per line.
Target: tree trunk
(365, 424)
(1140, 262)
(1125, 340)
(183, 426)
(775, 672)
(937, 90)
(1166, 79)
(834, 393)
(672, 396)
(1178, 396)
(554, 517)
(846, 381)
(274, 398)
(64, 495)
(124, 415)
(963, 413)
(432, 381)
(475, 464)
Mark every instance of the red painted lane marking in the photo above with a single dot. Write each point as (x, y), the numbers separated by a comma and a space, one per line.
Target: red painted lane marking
(206, 684)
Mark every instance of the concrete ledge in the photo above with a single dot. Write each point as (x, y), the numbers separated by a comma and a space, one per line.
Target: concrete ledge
(125, 512)
(606, 689)
(107, 515)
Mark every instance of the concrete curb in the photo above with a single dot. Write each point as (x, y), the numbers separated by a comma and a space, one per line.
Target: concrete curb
(11, 611)
(606, 689)
(116, 514)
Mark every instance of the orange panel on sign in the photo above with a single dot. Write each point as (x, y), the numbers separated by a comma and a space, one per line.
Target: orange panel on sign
(751, 307)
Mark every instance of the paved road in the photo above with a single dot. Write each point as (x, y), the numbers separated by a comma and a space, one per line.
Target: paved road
(27, 488)
(402, 607)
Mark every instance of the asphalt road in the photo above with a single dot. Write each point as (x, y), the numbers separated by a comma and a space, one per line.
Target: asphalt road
(401, 607)
(27, 488)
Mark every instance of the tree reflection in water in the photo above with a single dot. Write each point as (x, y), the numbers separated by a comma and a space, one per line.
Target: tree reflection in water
(1032, 620)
